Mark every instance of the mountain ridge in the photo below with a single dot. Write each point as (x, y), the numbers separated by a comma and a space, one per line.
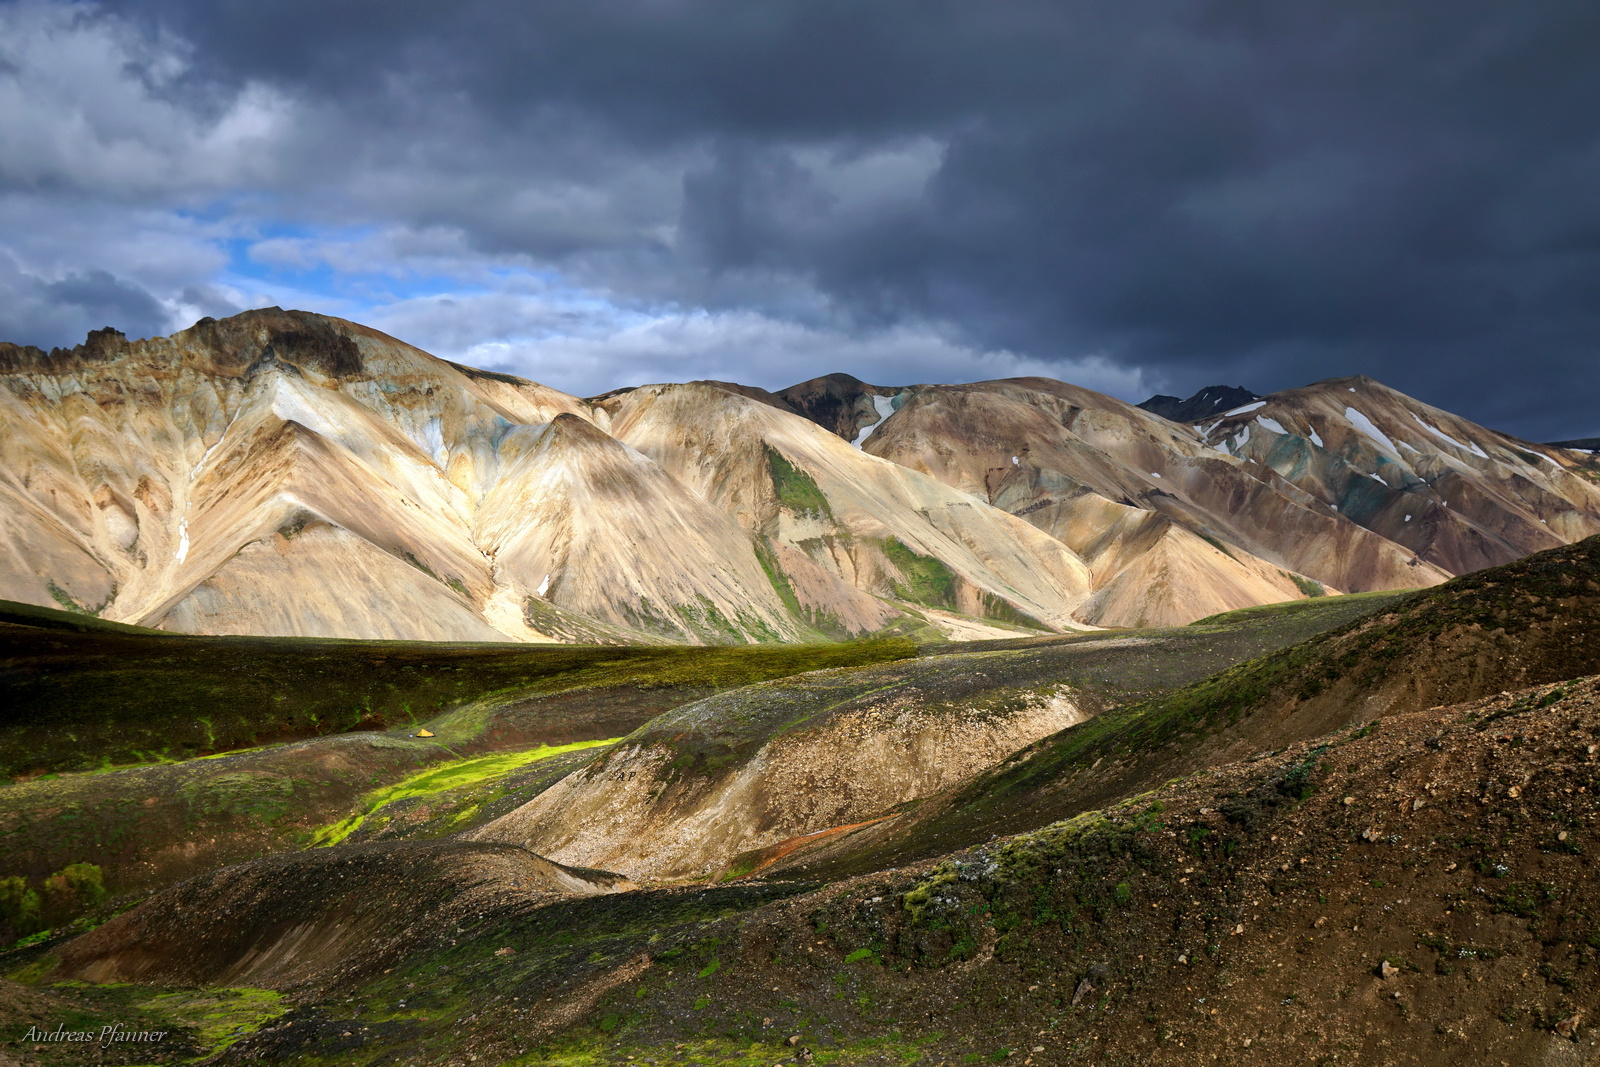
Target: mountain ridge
(282, 472)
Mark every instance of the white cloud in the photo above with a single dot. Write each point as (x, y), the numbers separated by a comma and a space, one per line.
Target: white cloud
(89, 102)
(587, 346)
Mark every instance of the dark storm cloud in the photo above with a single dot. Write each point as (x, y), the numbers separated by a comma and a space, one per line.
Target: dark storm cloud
(66, 309)
(1253, 192)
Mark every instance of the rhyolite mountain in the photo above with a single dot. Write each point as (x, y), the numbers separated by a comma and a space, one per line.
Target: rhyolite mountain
(286, 473)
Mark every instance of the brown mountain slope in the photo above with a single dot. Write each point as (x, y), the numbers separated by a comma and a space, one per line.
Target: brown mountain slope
(841, 403)
(1456, 494)
(1079, 464)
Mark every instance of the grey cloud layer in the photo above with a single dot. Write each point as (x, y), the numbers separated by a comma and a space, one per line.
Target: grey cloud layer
(1236, 190)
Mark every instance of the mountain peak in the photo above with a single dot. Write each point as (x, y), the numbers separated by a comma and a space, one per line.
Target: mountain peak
(1212, 400)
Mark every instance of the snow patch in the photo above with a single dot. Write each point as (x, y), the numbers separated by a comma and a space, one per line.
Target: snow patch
(1315, 439)
(1014, 462)
(1473, 447)
(1352, 389)
(1242, 410)
(1365, 425)
(1271, 424)
(544, 586)
(183, 541)
(884, 406)
(1153, 474)
(1379, 480)
(1408, 518)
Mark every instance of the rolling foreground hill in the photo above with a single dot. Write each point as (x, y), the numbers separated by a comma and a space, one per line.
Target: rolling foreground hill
(1351, 830)
(285, 473)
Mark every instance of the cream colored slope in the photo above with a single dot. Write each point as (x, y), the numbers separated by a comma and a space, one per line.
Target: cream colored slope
(790, 480)
(1457, 494)
(1161, 572)
(114, 449)
(455, 415)
(594, 526)
(269, 472)
(1077, 463)
(49, 553)
(318, 580)
(639, 814)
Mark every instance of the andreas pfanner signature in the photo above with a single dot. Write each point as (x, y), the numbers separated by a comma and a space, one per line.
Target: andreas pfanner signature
(105, 1037)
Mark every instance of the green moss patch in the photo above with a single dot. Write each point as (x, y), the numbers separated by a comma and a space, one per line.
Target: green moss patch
(796, 490)
(441, 779)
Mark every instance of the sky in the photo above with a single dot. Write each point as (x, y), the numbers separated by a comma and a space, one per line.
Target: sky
(1136, 198)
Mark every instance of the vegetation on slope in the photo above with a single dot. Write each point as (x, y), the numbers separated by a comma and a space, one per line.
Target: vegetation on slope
(83, 694)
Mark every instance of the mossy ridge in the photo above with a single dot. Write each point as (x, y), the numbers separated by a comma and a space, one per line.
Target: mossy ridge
(978, 678)
(441, 779)
(83, 697)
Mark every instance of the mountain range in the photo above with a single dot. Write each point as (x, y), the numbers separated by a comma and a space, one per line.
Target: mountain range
(287, 473)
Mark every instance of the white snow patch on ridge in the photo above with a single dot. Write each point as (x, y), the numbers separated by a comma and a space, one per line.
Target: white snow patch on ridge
(1365, 425)
(1271, 424)
(1473, 448)
(1315, 439)
(1247, 407)
(884, 406)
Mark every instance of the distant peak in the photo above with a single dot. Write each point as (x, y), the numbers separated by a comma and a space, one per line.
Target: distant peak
(1212, 400)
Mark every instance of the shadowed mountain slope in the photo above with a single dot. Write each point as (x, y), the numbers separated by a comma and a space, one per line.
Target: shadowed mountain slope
(1440, 914)
(330, 916)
